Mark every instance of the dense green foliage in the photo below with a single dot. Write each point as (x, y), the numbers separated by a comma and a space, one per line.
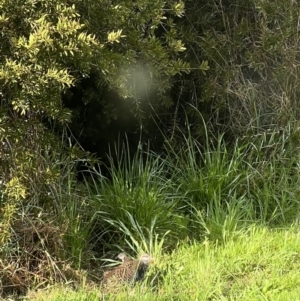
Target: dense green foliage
(48, 47)
(216, 82)
(251, 50)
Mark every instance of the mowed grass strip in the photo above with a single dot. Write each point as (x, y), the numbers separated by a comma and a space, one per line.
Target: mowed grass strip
(258, 264)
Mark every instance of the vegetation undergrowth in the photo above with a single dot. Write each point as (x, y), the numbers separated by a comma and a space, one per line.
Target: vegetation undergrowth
(153, 204)
(209, 205)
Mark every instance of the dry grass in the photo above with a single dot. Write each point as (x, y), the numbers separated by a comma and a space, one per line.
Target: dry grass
(31, 256)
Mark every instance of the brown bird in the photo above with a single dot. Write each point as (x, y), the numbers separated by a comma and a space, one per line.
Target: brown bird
(130, 271)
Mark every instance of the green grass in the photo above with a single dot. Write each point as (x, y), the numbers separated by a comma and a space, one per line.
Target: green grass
(258, 264)
(139, 196)
(195, 192)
